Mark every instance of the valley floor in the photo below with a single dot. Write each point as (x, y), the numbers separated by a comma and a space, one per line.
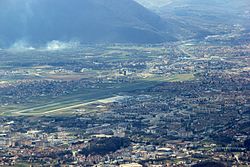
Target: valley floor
(169, 104)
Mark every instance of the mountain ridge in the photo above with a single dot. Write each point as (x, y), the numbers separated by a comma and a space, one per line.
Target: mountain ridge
(89, 21)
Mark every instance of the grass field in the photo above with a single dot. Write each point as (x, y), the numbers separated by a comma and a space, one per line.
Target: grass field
(68, 103)
(172, 78)
(181, 77)
(50, 64)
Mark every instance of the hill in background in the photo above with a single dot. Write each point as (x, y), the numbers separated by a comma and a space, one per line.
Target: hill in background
(89, 21)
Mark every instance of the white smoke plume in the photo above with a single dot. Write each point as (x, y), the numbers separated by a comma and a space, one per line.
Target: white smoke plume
(21, 46)
(55, 45)
(59, 45)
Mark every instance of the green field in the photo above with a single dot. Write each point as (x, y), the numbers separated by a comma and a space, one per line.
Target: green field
(172, 78)
(41, 65)
(181, 77)
(66, 104)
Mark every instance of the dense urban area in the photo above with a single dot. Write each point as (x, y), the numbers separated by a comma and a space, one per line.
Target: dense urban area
(175, 104)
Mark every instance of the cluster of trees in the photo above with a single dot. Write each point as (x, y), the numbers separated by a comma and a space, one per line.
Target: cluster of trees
(209, 164)
(222, 139)
(102, 146)
(247, 144)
